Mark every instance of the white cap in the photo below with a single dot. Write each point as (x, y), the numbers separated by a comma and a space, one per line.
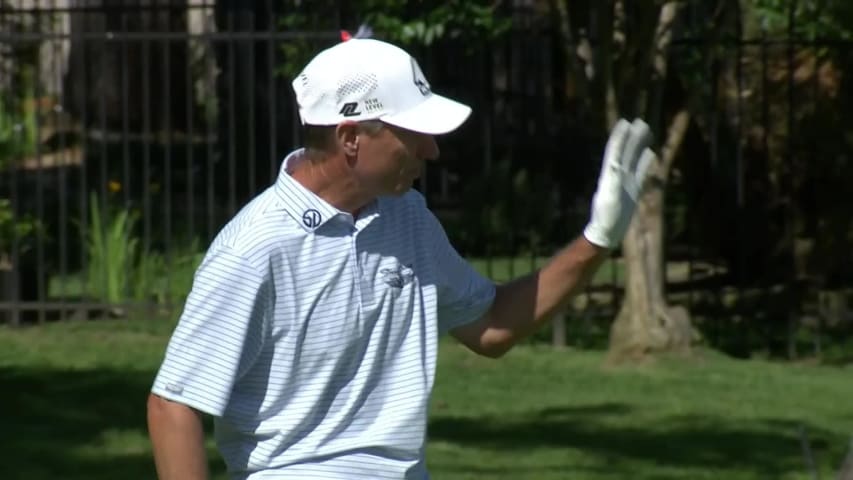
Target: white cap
(367, 79)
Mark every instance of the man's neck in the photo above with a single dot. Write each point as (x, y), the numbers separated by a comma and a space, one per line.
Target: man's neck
(330, 180)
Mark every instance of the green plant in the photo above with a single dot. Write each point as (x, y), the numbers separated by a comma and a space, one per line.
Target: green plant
(827, 18)
(112, 252)
(508, 211)
(471, 22)
(410, 24)
(16, 230)
(119, 270)
(147, 277)
(167, 280)
(18, 128)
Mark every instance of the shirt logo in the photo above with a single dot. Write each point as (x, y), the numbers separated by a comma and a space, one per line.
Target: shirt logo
(311, 218)
(350, 109)
(419, 79)
(399, 276)
(174, 388)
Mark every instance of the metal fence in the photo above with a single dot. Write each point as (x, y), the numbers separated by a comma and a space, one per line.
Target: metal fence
(140, 130)
(130, 133)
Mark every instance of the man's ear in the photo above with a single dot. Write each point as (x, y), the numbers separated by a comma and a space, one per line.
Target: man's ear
(346, 135)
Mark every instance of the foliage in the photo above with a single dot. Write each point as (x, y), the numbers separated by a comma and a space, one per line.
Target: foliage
(772, 115)
(456, 19)
(511, 211)
(167, 278)
(15, 229)
(812, 18)
(406, 23)
(18, 127)
(297, 52)
(119, 270)
(112, 252)
(19, 64)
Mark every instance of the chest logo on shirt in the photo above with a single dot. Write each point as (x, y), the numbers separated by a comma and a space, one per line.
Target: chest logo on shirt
(399, 276)
(311, 218)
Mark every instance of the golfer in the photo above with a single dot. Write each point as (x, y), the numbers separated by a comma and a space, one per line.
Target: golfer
(311, 329)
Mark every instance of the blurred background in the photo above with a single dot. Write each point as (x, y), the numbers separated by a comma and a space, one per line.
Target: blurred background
(132, 130)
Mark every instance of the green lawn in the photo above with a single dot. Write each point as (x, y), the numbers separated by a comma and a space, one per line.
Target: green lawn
(73, 399)
(500, 269)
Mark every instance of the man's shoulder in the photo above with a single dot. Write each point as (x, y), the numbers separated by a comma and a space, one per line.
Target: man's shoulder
(411, 202)
(257, 227)
(414, 196)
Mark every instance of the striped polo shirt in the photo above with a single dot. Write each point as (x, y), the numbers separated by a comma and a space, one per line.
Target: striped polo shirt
(311, 335)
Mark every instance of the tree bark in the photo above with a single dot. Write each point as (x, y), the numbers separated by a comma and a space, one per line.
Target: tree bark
(646, 323)
(623, 75)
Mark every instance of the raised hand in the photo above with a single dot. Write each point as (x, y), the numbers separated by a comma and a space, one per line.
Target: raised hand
(623, 171)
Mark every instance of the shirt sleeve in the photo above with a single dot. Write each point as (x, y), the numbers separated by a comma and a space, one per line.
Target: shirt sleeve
(463, 294)
(219, 334)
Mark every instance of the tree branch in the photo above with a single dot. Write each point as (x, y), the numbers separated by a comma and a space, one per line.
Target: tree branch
(637, 63)
(674, 138)
(577, 81)
(659, 48)
(663, 36)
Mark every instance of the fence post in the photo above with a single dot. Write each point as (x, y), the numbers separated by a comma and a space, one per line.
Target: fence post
(846, 471)
(808, 456)
(8, 292)
(558, 331)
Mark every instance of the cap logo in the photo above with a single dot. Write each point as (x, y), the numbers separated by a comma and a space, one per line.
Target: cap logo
(350, 109)
(311, 218)
(372, 105)
(418, 79)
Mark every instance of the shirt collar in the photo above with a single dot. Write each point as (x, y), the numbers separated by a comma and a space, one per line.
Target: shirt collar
(306, 208)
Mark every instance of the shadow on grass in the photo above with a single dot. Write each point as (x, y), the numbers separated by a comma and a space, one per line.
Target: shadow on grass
(765, 448)
(601, 409)
(76, 424)
(90, 424)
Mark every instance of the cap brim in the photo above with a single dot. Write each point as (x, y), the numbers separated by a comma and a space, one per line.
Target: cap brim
(435, 115)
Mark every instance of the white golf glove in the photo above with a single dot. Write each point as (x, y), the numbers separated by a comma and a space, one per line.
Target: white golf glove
(626, 160)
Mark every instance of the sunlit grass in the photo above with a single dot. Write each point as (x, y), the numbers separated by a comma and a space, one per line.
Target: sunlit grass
(74, 408)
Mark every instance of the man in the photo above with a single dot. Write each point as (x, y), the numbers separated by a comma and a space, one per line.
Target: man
(311, 330)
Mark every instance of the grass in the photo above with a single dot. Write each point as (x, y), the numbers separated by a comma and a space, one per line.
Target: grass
(499, 269)
(74, 395)
(542, 414)
(502, 269)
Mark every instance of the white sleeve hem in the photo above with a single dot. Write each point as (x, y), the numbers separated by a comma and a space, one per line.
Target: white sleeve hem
(195, 404)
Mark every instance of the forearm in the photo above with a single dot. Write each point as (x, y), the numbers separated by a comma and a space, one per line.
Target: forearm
(524, 305)
(177, 436)
(550, 288)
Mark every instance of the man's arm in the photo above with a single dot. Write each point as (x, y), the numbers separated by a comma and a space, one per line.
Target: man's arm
(522, 306)
(224, 318)
(525, 304)
(177, 436)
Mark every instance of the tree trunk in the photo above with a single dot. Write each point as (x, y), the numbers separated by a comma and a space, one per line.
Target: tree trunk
(646, 323)
(623, 75)
(846, 471)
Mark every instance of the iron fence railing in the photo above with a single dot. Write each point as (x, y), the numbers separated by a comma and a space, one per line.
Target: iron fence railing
(132, 133)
